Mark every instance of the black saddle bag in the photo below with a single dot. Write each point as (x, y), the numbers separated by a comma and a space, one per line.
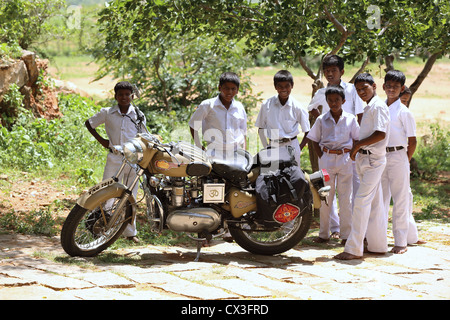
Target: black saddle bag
(281, 195)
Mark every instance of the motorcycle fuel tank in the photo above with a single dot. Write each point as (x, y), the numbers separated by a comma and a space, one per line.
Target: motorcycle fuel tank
(193, 220)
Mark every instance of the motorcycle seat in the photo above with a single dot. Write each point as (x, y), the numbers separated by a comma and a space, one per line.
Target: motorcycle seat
(235, 168)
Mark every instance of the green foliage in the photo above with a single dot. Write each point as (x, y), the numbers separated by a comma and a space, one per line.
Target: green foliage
(433, 152)
(22, 22)
(11, 105)
(60, 144)
(175, 70)
(38, 222)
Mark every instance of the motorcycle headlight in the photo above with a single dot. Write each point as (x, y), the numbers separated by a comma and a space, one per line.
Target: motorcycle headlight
(133, 151)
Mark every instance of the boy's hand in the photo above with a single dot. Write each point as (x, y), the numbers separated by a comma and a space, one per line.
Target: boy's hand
(354, 151)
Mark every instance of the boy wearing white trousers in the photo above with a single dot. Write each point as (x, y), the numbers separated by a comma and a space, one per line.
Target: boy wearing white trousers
(368, 219)
(122, 122)
(333, 70)
(332, 136)
(396, 176)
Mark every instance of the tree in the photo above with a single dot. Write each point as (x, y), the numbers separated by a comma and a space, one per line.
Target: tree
(23, 22)
(359, 30)
(176, 70)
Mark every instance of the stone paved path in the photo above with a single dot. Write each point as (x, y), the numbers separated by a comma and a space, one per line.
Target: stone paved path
(225, 272)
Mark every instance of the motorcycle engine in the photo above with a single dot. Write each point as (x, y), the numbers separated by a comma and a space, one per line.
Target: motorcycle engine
(193, 220)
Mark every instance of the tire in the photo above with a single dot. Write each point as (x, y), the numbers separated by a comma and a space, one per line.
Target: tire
(83, 232)
(299, 228)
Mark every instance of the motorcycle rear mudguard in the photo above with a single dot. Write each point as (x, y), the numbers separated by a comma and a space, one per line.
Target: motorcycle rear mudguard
(316, 198)
(103, 191)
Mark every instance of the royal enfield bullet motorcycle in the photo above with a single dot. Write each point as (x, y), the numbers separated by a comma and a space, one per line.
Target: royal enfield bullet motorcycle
(187, 191)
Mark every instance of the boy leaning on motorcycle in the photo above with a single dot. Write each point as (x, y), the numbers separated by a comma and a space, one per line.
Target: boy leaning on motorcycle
(122, 122)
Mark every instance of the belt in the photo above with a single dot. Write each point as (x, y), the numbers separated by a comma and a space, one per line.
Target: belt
(364, 151)
(283, 140)
(345, 150)
(390, 149)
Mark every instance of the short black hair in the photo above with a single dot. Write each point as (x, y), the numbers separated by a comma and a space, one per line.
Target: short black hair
(396, 76)
(123, 85)
(229, 77)
(406, 91)
(333, 60)
(283, 75)
(335, 89)
(364, 77)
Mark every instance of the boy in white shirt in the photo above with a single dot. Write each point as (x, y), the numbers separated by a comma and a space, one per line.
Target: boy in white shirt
(399, 151)
(222, 119)
(279, 117)
(332, 136)
(370, 151)
(122, 123)
(333, 70)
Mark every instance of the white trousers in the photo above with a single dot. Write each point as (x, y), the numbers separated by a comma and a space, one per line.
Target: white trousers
(113, 163)
(396, 184)
(334, 216)
(368, 219)
(340, 169)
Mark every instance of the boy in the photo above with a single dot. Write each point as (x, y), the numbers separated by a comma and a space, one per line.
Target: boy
(399, 151)
(222, 119)
(280, 116)
(405, 96)
(332, 136)
(333, 70)
(370, 152)
(122, 123)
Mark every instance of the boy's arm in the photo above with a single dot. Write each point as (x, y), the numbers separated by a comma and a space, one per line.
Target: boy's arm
(304, 141)
(317, 149)
(373, 138)
(412, 143)
(104, 142)
(194, 135)
(262, 137)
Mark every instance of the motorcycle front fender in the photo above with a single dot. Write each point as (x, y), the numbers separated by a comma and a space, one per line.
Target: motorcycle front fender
(103, 191)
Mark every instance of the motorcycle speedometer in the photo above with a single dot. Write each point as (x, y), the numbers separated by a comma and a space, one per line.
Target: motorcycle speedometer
(133, 151)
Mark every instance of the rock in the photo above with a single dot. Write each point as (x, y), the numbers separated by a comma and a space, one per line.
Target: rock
(29, 58)
(10, 73)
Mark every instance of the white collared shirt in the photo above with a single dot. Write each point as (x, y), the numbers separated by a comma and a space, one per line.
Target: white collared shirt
(222, 128)
(353, 103)
(282, 121)
(402, 125)
(375, 118)
(332, 135)
(119, 128)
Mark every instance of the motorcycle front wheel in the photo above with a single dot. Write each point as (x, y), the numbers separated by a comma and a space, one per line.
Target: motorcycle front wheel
(274, 242)
(85, 232)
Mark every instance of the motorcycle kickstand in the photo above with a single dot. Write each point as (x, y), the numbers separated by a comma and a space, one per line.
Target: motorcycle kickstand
(208, 237)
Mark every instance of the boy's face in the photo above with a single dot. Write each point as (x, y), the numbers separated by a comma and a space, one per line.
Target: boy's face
(228, 91)
(365, 90)
(123, 97)
(393, 89)
(333, 75)
(284, 89)
(405, 98)
(335, 102)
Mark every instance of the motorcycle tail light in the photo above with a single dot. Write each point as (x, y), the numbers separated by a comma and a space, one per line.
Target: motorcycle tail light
(286, 212)
(326, 176)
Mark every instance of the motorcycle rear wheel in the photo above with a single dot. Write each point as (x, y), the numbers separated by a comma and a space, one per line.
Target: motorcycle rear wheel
(84, 233)
(275, 242)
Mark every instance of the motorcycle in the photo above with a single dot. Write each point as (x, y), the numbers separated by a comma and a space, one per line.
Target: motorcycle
(187, 191)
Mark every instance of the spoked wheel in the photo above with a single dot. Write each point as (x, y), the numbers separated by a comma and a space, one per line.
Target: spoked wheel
(274, 242)
(85, 232)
